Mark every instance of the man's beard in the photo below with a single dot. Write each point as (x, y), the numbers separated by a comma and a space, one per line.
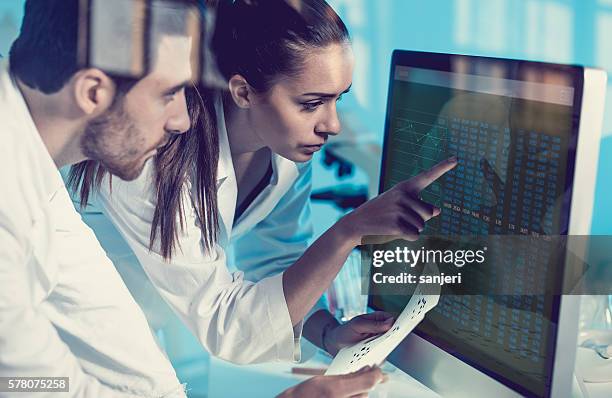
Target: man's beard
(113, 140)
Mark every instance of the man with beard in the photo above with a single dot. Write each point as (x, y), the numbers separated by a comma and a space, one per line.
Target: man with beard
(64, 310)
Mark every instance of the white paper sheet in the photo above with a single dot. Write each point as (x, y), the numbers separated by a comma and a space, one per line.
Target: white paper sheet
(374, 350)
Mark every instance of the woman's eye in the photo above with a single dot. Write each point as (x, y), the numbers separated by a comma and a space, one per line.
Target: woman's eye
(311, 106)
(339, 98)
(168, 97)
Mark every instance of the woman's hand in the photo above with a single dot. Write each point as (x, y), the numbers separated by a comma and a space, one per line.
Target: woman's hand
(398, 213)
(352, 385)
(357, 329)
(395, 214)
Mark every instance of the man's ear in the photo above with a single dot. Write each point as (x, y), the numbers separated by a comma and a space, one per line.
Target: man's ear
(94, 91)
(241, 92)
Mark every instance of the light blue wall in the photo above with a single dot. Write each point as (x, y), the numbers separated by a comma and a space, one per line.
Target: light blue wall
(562, 31)
(11, 12)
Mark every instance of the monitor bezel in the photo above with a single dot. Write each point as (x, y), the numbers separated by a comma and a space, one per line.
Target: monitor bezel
(443, 62)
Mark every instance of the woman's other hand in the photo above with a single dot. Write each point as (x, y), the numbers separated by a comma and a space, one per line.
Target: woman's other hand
(351, 385)
(357, 329)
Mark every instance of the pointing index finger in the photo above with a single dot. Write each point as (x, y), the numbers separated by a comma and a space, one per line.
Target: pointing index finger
(424, 179)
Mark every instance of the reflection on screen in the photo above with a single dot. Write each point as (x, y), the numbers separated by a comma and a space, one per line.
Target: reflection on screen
(514, 141)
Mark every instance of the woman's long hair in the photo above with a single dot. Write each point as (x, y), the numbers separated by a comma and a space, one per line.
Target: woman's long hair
(194, 156)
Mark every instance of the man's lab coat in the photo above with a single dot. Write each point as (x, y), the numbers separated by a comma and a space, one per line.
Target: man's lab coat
(64, 310)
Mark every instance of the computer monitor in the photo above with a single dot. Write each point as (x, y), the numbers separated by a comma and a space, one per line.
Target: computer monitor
(537, 127)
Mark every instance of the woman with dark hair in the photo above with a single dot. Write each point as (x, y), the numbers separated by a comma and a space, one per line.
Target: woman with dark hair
(286, 65)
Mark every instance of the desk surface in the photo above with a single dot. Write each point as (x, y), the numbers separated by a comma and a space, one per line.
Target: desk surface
(268, 380)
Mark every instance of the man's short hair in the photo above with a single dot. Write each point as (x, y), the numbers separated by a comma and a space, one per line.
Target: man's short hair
(44, 55)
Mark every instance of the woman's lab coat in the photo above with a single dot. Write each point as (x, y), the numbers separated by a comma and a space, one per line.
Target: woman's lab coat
(235, 319)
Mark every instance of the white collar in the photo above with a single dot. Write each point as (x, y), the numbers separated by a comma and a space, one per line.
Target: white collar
(12, 99)
(225, 166)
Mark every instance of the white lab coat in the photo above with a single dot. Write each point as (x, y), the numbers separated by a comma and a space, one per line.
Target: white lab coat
(239, 316)
(64, 310)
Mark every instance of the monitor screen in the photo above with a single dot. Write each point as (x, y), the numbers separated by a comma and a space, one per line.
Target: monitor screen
(513, 126)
